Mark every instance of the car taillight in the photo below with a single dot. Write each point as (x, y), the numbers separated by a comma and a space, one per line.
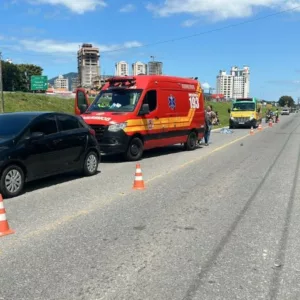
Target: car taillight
(92, 131)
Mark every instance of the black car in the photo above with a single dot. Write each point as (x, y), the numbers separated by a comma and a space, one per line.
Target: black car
(35, 145)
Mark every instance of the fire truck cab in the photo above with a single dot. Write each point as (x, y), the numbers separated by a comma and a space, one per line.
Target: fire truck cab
(136, 113)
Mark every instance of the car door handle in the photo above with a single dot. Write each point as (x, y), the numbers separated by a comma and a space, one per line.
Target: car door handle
(82, 137)
(57, 141)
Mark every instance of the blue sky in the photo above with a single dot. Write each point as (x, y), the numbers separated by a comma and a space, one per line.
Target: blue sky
(48, 33)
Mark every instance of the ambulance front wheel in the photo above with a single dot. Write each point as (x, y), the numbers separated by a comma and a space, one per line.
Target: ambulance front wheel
(191, 143)
(135, 149)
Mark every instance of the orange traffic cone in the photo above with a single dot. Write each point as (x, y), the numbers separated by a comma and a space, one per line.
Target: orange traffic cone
(259, 127)
(251, 131)
(138, 179)
(270, 123)
(4, 228)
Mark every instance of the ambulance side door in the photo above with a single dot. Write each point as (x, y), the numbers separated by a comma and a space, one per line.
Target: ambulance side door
(151, 121)
(81, 101)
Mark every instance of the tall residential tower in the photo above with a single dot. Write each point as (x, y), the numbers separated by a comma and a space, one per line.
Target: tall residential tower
(155, 68)
(122, 68)
(234, 85)
(139, 68)
(88, 64)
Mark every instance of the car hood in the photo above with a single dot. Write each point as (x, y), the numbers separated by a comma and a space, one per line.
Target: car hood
(105, 118)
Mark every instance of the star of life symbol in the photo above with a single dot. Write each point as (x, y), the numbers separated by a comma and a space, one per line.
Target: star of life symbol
(172, 102)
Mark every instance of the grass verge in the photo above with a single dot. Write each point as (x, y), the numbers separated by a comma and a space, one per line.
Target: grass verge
(39, 102)
(36, 102)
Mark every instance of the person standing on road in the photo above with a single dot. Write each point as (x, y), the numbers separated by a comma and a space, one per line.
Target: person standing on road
(276, 115)
(209, 116)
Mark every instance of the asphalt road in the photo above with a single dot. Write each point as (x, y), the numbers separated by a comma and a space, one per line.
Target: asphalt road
(221, 222)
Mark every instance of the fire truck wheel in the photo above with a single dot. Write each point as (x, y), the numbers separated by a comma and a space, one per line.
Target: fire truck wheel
(135, 149)
(191, 143)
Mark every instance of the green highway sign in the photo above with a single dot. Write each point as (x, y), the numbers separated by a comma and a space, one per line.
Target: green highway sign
(39, 83)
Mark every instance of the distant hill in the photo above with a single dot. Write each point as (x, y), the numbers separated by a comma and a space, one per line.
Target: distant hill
(69, 76)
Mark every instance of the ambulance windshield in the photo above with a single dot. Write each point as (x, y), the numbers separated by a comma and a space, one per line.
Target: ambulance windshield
(116, 100)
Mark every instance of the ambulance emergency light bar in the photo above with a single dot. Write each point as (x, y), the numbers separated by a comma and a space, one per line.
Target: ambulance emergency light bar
(124, 81)
(120, 78)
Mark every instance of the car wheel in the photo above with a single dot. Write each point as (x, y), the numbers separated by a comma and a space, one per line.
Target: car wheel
(91, 164)
(12, 181)
(191, 143)
(135, 150)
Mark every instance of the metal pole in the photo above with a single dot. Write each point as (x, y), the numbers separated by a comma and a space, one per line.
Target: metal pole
(1, 85)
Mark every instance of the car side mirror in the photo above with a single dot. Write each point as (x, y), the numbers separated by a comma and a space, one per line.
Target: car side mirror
(229, 110)
(144, 110)
(83, 108)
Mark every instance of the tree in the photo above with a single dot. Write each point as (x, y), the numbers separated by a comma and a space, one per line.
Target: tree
(286, 101)
(26, 71)
(11, 77)
(17, 77)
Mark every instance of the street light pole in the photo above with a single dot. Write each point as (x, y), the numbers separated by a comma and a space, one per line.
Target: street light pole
(1, 85)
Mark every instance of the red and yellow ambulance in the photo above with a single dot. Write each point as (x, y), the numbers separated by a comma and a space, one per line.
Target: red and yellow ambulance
(135, 113)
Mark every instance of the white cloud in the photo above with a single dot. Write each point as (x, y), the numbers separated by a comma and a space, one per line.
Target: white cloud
(76, 6)
(205, 85)
(120, 47)
(189, 23)
(218, 9)
(127, 8)
(55, 47)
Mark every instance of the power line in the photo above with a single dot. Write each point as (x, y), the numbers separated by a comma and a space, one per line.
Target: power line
(183, 37)
(210, 31)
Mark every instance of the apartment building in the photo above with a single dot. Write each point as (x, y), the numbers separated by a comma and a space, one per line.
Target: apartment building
(234, 85)
(122, 68)
(139, 68)
(155, 68)
(88, 64)
(241, 84)
(61, 83)
(75, 83)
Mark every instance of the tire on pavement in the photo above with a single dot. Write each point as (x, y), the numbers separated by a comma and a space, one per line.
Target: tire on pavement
(12, 181)
(191, 143)
(91, 163)
(135, 149)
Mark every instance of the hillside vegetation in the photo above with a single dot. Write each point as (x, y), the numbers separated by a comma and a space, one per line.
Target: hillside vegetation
(39, 102)
(36, 102)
